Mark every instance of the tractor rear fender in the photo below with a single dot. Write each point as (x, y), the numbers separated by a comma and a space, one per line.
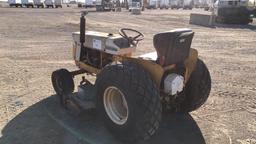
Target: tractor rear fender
(156, 71)
(190, 63)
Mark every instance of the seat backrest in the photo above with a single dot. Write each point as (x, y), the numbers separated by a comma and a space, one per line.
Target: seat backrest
(173, 46)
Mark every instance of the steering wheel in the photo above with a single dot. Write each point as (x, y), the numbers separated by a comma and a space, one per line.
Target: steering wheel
(132, 40)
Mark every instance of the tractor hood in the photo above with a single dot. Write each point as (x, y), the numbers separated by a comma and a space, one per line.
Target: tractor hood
(107, 42)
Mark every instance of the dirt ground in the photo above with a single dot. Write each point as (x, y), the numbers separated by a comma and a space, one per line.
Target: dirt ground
(35, 42)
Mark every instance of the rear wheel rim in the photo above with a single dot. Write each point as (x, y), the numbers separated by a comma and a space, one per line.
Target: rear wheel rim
(115, 105)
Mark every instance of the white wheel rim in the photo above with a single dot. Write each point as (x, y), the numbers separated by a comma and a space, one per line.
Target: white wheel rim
(115, 105)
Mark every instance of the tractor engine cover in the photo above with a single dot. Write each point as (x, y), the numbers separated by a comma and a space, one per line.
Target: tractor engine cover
(105, 42)
(173, 83)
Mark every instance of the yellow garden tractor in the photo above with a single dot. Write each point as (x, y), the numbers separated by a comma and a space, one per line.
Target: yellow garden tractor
(131, 93)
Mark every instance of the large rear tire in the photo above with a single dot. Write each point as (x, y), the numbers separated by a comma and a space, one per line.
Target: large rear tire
(128, 102)
(197, 89)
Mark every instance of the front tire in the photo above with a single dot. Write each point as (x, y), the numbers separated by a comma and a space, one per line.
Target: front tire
(139, 102)
(197, 89)
(63, 84)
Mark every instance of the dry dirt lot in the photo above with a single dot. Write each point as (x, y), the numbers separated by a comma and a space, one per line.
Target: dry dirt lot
(35, 42)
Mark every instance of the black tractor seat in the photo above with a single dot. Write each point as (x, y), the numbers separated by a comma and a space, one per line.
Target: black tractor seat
(173, 46)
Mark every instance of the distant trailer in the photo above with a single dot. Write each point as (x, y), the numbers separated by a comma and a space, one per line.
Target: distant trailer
(49, 3)
(175, 4)
(58, 3)
(89, 4)
(152, 4)
(80, 3)
(16, 3)
(104, 5)
(85, 3)
(164, 4)
(39, 3)
(188, 4)
(135, 4)
(28, 3)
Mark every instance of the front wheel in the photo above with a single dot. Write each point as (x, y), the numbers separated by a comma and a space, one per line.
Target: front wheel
(63, 84)
(128, 102)
(197, 89)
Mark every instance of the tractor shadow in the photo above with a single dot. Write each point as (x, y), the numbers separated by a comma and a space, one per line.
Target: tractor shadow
(46, 123)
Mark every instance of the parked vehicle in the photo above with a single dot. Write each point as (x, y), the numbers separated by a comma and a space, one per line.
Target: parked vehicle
(49, 3)
(27, 3)
(176, 4)
(135, 4)
(72, 2)
(164, 4)
(152, 4)
(104, 5)
(131, 94)
(232, 12)
(58, 3)
(80, 3)
(16, 3)
(188, 4)
(39, 3)
(89, 4)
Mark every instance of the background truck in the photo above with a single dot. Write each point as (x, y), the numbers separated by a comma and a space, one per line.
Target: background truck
(232, 12)
(135, 4)
(152, 4)
(16, 3)
(104, 5)
(164, 4)
(188, 4)
(58, 3)
(80, 3)
(49, 3)
(89, 4)
(175, 4)
(27, 3)
(39, 3)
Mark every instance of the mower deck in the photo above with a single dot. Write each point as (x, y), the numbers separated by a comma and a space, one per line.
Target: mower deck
(83, 99)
